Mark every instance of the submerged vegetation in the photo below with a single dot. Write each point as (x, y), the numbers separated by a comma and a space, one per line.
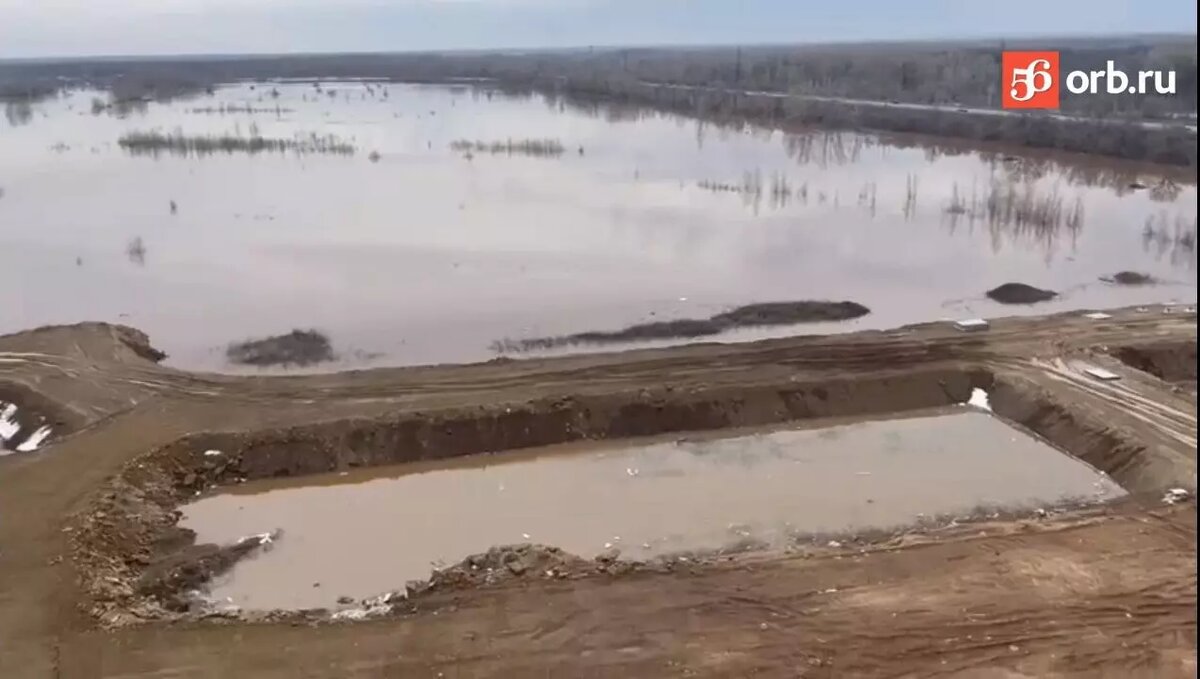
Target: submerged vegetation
(298, 347)
(232, 109)
(135, 250)
(155, 142)
(751, 315)
(1021, 205)
(1174, 236)
(1130, 278)
(539, 148)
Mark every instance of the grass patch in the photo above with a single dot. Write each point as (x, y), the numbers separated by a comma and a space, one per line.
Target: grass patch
(538, 148)
(155, 142)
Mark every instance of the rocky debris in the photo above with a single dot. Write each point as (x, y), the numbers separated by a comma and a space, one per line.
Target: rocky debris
(170, 579)
(1020, 293)
(1129, 278)
(371, 608)
(298, 347)
(502, 563)
(608, 556)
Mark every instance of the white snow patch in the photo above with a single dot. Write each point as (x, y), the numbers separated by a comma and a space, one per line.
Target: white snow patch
(979, 399)
(8, 422)
(10, 427)
(1175, 495)
(971, 324)
(371, 608)
(35, 439)
(211, 453)
(261, 538)
(1102, 374)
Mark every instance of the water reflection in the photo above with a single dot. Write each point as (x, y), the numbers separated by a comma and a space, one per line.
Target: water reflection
(18, 113)
(1170, 238)
(821, 148)
(410, 250)
(135, 250)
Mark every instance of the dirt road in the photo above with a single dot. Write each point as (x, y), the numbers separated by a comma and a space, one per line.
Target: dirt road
(1099, 592)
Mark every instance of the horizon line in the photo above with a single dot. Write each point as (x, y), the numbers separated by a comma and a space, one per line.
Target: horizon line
(606, 46)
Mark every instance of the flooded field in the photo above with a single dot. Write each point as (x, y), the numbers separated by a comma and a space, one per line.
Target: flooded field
(422, 224)
(645, 499)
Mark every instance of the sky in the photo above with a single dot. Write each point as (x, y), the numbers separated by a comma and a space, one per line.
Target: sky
(47, 28)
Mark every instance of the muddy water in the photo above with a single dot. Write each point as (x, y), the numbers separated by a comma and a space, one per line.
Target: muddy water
(358, 535)
(427, 256)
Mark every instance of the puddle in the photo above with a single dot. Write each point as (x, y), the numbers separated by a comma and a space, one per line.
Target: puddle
(660, 218)
(366, 532)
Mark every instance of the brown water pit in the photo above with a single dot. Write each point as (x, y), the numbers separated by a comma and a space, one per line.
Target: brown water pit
(359, 533)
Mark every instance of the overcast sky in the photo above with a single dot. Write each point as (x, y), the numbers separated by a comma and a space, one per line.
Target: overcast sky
(38, 28)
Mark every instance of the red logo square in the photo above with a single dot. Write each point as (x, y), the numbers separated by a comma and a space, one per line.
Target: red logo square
(1029, 80)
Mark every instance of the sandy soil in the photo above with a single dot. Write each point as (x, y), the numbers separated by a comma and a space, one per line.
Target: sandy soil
(91, 559)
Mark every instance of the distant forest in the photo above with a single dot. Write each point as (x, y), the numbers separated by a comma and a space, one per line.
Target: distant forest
(720, 83)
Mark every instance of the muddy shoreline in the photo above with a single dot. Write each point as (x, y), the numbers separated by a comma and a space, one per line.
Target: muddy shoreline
(104, 539)
(159, 568)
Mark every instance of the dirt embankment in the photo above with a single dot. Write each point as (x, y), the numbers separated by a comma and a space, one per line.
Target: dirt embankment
(141, 566)
(115, 483)
(1173, 362)
(100, 342)
(752, 315)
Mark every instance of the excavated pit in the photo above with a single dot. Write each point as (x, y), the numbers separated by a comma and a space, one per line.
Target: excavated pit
(132, 549)
(1173, 362)
(354, 536)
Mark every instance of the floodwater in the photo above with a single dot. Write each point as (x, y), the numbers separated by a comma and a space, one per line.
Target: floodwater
(423, 255)
(370, 531)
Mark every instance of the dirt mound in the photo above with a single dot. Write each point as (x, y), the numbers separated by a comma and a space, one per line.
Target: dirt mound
(94, 340)
(1129, 278)
(138, 342)
(763, 314)
(1019, 293)
(298, 347)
